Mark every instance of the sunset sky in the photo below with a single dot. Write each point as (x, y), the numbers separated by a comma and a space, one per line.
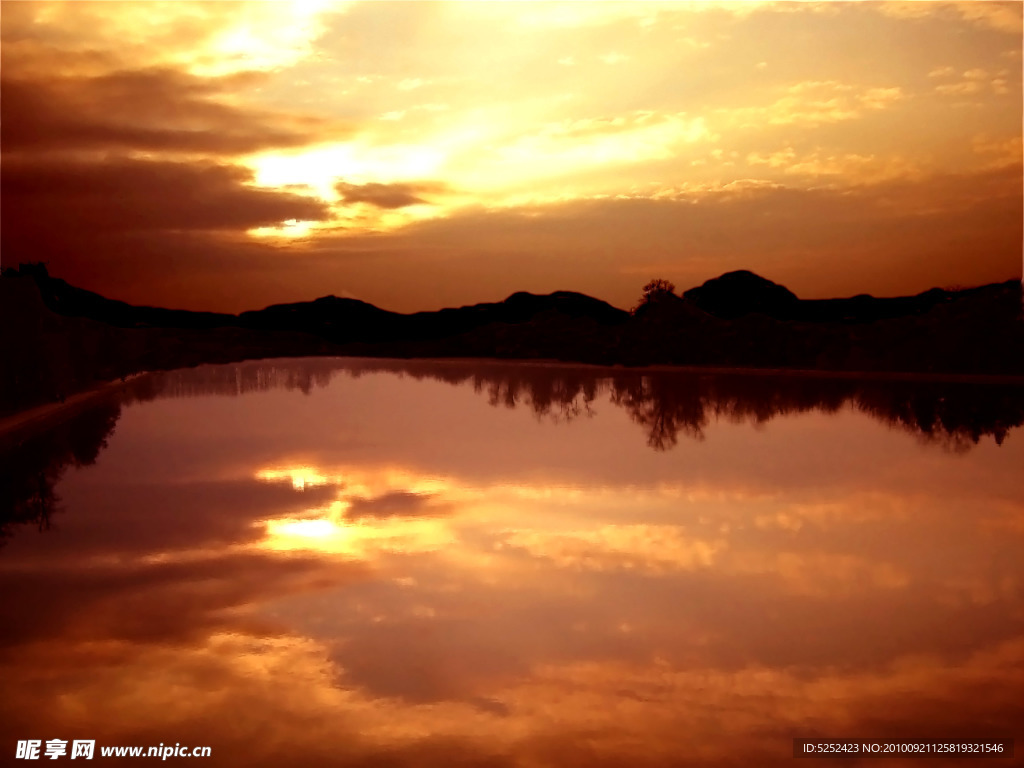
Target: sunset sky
(227, 156)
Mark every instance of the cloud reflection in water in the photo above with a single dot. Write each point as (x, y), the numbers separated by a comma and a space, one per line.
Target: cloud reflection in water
(391, 570)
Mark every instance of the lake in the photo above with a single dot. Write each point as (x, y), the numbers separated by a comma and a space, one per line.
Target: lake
(409, 563)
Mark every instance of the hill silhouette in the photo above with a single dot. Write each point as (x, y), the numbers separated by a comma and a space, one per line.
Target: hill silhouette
(739, 293)
(351, 320)
(736, 294)
(59, 338)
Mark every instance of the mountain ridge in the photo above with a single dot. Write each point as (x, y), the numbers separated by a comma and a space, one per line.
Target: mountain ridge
(59, 337)
(729, 296)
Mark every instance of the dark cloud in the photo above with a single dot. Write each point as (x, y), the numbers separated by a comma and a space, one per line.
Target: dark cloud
(157, 110)
(220, 512)
(154, 602)
(78, 195)
(388, 196)
(395, 504)
(118, 194)
(450, 659)
(147, 231)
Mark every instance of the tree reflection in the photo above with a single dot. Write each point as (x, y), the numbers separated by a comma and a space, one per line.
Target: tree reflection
(565, 394)
(235, 379)
(957, 416)
(31, 468)
(669, 403)
(662, 409)
(666, 403)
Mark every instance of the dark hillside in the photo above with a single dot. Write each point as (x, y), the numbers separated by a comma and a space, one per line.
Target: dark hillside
(736, 294)
(349, 320)
(58, 339)
(67, 300)
(739, 293)
(47, 356)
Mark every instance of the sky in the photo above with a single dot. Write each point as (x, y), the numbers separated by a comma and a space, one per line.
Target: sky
(227, 156)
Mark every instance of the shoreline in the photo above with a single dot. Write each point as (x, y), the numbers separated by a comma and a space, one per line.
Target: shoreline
(50, 414)
(1011, 379)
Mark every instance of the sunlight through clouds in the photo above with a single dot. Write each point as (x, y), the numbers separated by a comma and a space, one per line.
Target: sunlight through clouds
(208, 39)
(428, 128)
(321, 169)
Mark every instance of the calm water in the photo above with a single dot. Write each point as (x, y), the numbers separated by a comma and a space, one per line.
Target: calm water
(306, 563)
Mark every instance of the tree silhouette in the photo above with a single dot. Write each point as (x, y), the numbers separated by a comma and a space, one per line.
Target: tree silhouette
(655, 290)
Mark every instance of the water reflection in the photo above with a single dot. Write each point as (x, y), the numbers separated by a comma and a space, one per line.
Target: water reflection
(667, 403)
(32, 466)
(358, 563)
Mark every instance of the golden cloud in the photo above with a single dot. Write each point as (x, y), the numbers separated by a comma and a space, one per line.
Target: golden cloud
(645, 548)
(814, 103)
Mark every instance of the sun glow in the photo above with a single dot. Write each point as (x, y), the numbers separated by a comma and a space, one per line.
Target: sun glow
(304, 529)
(332, 529)
(264, 36)
(321, 168)
(316, 529)
(359, 481)
(291, 229)
(332, 534)
(300, 477)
